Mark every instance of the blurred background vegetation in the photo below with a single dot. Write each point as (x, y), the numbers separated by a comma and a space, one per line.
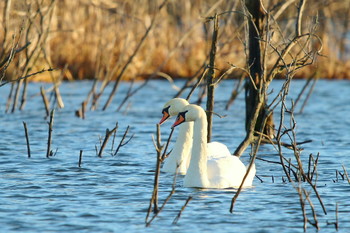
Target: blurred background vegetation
(94, 39)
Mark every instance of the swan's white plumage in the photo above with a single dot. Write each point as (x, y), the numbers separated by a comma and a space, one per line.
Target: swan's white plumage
(181, 153)
(206, 171)
(217, 149)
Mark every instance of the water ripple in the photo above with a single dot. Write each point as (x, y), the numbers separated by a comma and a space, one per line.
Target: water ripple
(112, 193)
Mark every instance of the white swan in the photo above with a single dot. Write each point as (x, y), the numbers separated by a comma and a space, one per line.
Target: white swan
(204, 172)
(181, 153)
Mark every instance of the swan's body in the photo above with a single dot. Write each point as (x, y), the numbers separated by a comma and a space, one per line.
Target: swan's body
(205, 171)
(181, 153)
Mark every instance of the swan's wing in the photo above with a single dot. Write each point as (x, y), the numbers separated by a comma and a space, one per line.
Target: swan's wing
(217, 150)
(226, 171)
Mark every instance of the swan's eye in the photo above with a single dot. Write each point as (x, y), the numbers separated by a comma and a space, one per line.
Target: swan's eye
(179, 119)
(166, 110)
(183, 115)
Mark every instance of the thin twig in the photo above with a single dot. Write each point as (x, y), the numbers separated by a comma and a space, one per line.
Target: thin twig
(236, 90)
(197, 84)
(105, 140)
(27, 138)
(9, 97)
(166, 200)
(46, 101)
(302, 91)
(336, 217)
(346, 173)
(80, 158)
(121, 144)
(299, 18)
(49, 152)
(302, 205)
(154, 199)
(308, 95)
(222, 76)
(131, 93)
(315, 224)
(167, 145)
(27, 76)
(182, 209)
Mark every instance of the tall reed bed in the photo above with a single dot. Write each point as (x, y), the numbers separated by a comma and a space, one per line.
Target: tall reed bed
(95, 38)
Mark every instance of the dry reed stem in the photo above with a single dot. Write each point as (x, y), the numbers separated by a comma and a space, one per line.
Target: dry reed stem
(302, 205)
(190, 80)
(167, 198)
(15, 98)
(32, 56)
(106, 138)
(177, 218)
(81, 112)
(252, 161)
(300, 165)
(314, 167)
(27, 138)
(308, 81)
(235, 92)
(57, 83)
(83, 34)
(49, 139)
(302, 175)
(5, 63)
(314, 214)
(80, 158)
(336, 217)
(346, 174)
(121, 144)
(6, 19)
(308, 95)
(130, 59)
(165, 201)
(27, 76)
(130, 93)
(9, 98)
(165, 155)
(197, 83)
(45, 101)
(234, 199)
(154, 198)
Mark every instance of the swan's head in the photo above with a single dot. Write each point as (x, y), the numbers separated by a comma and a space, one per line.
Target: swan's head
(189, 113)
(172, 108)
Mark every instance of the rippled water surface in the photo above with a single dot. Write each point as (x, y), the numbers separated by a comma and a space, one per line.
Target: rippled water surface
(112, 193)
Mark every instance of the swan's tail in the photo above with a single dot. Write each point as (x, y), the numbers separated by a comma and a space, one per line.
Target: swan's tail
(251, 175)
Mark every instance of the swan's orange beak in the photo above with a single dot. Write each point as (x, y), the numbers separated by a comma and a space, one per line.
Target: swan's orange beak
(179, 120)
(164, 118)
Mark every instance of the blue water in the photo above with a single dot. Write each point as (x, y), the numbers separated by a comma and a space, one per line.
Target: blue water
(112, 193)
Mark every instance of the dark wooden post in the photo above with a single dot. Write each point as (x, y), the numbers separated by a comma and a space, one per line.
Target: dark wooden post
(254, 84)
(210, 78)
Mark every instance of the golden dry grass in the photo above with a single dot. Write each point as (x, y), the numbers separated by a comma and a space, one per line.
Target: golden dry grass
(95, 38)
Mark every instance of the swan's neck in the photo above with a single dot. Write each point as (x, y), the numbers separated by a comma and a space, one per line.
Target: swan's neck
(181, 151)
(197, 172)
